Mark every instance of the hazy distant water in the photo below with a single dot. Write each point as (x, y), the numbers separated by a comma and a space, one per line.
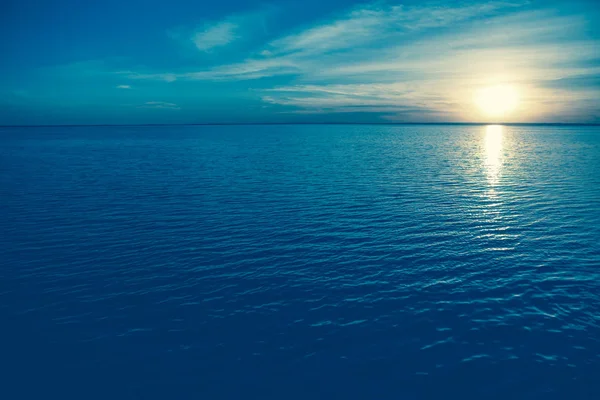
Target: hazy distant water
(300, 262)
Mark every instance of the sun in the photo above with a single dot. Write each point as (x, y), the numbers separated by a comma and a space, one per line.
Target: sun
(497, 101)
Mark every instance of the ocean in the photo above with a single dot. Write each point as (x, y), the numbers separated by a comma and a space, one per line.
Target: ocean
(300, 262)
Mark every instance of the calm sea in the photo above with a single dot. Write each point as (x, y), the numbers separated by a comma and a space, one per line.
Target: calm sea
(300, 262)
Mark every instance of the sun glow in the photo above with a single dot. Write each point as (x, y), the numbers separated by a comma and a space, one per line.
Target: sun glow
(497, 101)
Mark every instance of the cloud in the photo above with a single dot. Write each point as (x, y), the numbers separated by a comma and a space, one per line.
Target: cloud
(247, 70)
(360, 97)
(370, 23)
(345, 37)
(215, 35)
(169, 77)
(212, 35)
(160, 105)
(87, 69)
(381, 58)
(578, 82)
(123, 87)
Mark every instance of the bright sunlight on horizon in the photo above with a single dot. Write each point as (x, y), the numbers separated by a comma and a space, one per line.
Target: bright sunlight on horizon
(497, 101)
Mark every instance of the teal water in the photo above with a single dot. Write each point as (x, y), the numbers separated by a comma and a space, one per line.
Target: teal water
(300, 262)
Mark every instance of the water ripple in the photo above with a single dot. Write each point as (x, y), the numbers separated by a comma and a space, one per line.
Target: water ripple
(379, 255)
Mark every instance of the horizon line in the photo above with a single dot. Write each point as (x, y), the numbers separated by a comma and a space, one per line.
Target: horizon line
(304, 123)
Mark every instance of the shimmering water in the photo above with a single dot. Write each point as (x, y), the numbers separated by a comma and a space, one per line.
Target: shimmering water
(300, 262)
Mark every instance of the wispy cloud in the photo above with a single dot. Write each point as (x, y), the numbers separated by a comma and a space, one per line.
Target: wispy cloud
(373, 98)
(159, 105)
(124, 87)
(344, 37)
(215, 35)
(247, 70)
(373, 23)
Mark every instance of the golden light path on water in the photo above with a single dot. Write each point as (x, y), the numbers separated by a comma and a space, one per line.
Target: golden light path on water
(493, 153)
(491, 206)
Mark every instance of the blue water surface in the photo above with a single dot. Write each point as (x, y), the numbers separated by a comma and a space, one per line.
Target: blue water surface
(300, 262)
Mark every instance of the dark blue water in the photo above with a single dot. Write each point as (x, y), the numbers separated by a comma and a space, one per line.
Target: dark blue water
(300, 262)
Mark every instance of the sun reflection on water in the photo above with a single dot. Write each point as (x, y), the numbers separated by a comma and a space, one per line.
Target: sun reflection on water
(493, 153)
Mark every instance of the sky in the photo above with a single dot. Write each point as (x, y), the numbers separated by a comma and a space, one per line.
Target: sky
(246, 61)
